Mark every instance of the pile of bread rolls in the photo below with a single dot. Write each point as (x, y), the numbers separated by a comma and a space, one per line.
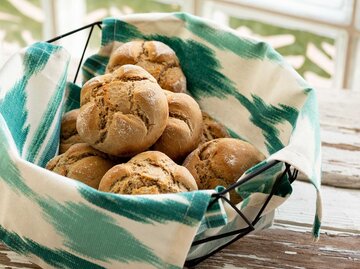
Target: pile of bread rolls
(138, 132)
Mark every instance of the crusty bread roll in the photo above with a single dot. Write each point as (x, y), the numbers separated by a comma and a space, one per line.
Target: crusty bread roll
(92, 85)
(83, 163)
(221, 162)
(156, 58)
(184, 128)
(124, 113)
(212, 129)
(68, 134)
(150, 172)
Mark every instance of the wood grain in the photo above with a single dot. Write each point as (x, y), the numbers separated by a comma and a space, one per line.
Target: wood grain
(277, 248)
(340, 134)
(10, 259)
(273, 248)
(340, 208)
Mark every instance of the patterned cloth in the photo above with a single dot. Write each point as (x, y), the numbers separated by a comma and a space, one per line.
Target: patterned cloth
(61, 223)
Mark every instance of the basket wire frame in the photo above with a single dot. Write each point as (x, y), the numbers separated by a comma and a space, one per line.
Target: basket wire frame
(289, 172)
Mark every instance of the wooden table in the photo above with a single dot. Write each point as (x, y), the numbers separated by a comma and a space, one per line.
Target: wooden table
(288, 244)
(273, 248)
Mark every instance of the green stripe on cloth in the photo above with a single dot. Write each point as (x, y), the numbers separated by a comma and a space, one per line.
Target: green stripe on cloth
(14, 112)
(13, 105)
(48, 118)
(97, 62)
(215, 215)
(316, 227)
(37, 56)
(96, 235)
(114, 29)
(72, 101)
(10, 174)
(310, 110)
(186, 208)
(51, 147)
(225, 40)
(234, 134)
(93, 66)
(267, 117)
(54, 257)
(264, 182)
(318, 216)
(87, 74)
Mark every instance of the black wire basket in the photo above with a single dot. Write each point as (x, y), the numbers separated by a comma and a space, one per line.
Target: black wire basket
(288, 172)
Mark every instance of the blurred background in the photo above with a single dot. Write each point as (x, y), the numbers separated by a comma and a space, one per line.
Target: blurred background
(319, 38)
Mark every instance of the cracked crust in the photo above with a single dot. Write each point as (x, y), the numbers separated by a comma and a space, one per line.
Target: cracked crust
(184, 128)
(156, 58)
(221, 162)
(212, 129)
(150, 172)
(83, 163)
(68, 134)
(122, 114)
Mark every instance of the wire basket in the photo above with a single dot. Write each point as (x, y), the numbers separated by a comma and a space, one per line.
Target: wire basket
(291, 173)
(219, 199)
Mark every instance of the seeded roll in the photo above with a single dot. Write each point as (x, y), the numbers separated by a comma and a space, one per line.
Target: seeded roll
(212, 129)
(221, 162)
(150, 172)
(68, 134)
(155, 57)
(123, 113)
(184, 127)
(83, 163)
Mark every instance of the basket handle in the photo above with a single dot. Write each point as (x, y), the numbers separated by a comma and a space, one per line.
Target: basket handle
(91, 26)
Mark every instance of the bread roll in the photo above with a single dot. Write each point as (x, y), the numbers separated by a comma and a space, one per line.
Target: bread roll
(212, 129)
(83, 163)
(221, 162)
(150, 172)
(124, 113)
(155, 57)
(68, 134)
(184, 128)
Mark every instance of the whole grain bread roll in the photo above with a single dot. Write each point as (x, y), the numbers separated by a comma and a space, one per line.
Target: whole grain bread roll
(212, 129)
(184, 127)
(68, 133)
(150, 172)
(92, 86)
(155, 57)
(122, 113)
(221, 162)
(83, 163)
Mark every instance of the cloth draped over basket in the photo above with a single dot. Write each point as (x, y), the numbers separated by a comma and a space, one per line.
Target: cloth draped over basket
(61, 223)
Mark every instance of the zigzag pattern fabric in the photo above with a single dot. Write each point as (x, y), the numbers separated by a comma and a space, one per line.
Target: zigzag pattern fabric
(61, 223)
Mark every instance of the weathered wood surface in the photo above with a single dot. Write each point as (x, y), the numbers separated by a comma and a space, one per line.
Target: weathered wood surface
(9, 260)
(340, 135)
(273, 248)
(277, 248)
(341, 208)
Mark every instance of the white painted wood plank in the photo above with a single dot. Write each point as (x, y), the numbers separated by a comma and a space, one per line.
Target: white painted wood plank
(341, 208)
(279, 248)
(339, 108)
(340, 135)
(341, 157)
